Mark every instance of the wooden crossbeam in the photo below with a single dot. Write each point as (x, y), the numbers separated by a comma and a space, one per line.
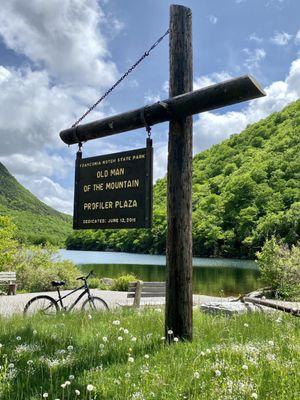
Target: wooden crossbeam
(212, 97)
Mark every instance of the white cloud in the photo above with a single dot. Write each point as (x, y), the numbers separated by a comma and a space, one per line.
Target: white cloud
(52, 193)
(211, 128)
(150, 98)
(213, 19)
(281, 38)
(67, 57)
(255, 38)
(208, 80)
(32, 110)
(254, 57)
(160, 159)
(297, 37)
(62, 36)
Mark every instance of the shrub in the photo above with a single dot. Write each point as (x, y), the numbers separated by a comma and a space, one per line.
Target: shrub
(121, 283)
(37, 266)
(95, 283)
(279, 268)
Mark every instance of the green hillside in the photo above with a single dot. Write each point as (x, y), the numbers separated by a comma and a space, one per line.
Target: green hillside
(245, 190)
(36, 222)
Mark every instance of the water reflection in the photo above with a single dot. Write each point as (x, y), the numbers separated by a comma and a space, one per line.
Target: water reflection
(208, 280)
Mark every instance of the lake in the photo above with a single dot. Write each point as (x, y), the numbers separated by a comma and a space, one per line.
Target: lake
(210, 276)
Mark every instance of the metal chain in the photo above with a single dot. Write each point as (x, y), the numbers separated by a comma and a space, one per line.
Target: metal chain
(121, 79)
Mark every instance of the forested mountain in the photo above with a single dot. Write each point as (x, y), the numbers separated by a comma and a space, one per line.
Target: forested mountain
(36, 222)
(245, 190)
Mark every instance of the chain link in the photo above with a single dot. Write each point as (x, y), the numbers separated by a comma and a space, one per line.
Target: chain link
(146, 54)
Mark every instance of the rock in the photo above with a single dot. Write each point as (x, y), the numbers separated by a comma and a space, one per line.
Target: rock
(107, 281)
(228, 307)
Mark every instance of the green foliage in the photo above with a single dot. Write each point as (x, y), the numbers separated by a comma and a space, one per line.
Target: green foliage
(95, 283)
(36, 222)
(121, 283)
(245, 190)
(8, 245)
(279, 267)
(37, 266)
(244, 357)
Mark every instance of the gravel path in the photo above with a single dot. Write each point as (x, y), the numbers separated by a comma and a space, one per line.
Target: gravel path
(10, 305)
(15, 304)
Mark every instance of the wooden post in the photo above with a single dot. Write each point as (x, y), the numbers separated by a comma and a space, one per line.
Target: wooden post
(179, 296)
(137, 296)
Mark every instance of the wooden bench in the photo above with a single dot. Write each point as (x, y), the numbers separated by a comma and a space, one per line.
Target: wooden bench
(11, 279)
(139, 289)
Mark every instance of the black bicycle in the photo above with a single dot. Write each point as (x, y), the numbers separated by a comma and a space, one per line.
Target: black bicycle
(47, 305)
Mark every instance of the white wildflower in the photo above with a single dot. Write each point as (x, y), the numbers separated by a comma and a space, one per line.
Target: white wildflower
(71, 377)
(105, 339)
(89, 316)
(271, 343)
(254, 395)
(126, 331)
(170, 332)
(127, 375)
(245, 367)
(120, 338)
(77, 392)
(130, 359)
(217, 372)
(246, 325)
(67, 383)
(45, 395)
(146, 356)
(34, 332)
(18, 338)
(133, 339)
(116, 322)
(176, 339)
(196, 375)
(90, 388)
(70, 348)
(117, 382)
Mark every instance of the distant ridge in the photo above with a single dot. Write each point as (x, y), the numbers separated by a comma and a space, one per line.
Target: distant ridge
(36, 222)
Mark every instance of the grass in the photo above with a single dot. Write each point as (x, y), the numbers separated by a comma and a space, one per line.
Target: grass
(123, 356)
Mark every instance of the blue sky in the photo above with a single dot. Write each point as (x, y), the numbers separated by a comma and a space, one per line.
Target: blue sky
(57, 57)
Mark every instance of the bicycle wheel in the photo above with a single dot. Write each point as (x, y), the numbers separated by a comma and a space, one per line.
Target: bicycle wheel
(94, 304)
(44, 305)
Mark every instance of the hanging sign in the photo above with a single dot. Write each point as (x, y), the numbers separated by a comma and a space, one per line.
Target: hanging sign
(114, 191)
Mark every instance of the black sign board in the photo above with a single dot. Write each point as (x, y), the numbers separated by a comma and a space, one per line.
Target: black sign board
(114, 191)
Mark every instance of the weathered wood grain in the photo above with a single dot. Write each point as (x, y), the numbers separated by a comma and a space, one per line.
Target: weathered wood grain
(179, 301)
(177, 106)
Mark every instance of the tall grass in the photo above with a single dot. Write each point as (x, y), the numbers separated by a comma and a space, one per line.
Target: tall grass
(122, 355)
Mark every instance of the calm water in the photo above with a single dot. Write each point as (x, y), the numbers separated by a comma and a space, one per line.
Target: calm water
(210, 276)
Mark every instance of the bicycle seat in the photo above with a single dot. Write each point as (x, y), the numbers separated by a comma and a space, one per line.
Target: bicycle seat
(58, 283)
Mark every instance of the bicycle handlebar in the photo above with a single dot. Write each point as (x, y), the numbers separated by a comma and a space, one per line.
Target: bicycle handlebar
(84, 278)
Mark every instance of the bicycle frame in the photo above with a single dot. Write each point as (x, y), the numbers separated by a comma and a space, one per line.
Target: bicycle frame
(70, 308)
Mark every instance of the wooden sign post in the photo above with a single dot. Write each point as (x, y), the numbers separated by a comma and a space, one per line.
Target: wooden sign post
(179, 295)
(178, 109)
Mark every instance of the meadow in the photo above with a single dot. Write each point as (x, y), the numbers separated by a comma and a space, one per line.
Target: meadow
(124, 355)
